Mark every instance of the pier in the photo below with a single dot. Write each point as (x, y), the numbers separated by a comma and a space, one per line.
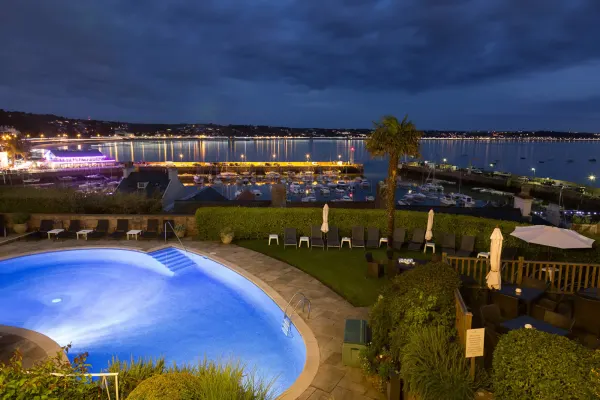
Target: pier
(258, 167)
(570, 198)
(49, 176)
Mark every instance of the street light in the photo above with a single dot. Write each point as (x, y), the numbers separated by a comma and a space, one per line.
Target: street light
(242, 157)
(274, 156)
(533, 169)
(592, 178)
(444, 160)
(307, 157)
(181, 157)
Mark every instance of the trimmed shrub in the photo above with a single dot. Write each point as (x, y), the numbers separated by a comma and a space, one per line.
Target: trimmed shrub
(258, 223)
(29, 200)
(418, 298)
(172, 386)
(530, 364)
(433, 367)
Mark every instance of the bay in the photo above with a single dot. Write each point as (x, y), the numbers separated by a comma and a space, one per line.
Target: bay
(568, 161)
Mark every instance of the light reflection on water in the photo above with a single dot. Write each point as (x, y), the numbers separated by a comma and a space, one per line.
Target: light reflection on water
(514, 157)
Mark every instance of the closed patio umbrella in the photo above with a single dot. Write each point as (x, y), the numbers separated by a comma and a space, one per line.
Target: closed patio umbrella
(429, 233)
(493, 278)
(552, 237)
(325, 225)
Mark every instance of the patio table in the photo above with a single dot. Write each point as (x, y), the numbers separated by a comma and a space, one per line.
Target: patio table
(590, 293)
(528, 295)
(519, 322)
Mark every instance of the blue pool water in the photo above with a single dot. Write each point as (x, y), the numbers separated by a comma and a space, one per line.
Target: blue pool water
(118, 302)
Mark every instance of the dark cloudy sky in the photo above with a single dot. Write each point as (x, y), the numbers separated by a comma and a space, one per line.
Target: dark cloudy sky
(462, 64)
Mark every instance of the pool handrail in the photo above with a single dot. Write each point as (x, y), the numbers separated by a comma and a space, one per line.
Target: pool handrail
(167, 223)
(104, 380)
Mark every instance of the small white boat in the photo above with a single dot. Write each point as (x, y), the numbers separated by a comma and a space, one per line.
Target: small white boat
(447, 200)
(308, 199)
(370, 198)
(257, 193)
(342, 183)
(66, 178)
(418, 197)
(94, 176)
(401, 203)
(338, 190)
(295, 189)
(31, 180)
(346, 198)
(227, 175)
(467, 201)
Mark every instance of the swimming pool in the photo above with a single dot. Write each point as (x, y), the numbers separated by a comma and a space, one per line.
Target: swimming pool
(121, 302)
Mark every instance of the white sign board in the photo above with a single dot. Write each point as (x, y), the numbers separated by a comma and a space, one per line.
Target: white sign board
(474, 345)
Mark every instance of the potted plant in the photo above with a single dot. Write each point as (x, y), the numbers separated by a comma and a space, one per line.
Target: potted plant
(20, 222)
(226, 235)
(179, 230)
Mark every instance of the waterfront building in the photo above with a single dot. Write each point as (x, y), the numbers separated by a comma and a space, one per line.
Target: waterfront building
(61, 159)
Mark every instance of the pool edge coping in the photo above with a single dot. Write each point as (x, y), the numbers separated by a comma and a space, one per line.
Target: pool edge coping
(311, 365)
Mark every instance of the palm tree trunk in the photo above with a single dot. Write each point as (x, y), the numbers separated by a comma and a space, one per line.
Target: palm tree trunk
(391, 196)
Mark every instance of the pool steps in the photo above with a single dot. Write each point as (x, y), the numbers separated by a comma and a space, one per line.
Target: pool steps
(173, 259)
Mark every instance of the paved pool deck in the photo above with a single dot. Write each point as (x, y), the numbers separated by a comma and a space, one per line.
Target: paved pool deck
(329, 310)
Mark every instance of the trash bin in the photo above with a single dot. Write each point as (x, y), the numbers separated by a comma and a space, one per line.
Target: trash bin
(356, 337)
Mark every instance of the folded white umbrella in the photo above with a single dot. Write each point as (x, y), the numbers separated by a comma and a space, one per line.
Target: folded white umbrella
(429, 233)
(325, 225)
(493, 278)
(552, 237)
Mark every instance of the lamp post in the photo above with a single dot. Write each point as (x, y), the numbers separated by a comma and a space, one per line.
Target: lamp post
(242, 156)
(592, 178)
(180, 157)
(533, 169)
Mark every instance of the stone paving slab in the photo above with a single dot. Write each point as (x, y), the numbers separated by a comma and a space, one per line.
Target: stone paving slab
(329, 310)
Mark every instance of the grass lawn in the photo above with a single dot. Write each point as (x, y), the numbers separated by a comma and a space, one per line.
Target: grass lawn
(342, 270)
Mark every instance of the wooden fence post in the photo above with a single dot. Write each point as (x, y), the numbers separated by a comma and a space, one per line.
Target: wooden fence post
(445, 258)
(520, 271)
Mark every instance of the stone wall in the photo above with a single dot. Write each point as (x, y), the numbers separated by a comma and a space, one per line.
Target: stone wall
(89, 221)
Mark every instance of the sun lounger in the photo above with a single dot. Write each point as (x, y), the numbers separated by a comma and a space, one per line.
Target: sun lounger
(151, 231)
(372, 238)
(358, 236)
(449, 244)
(467, 246)
(100, 231)
(398, 238)
(333, 237)
(71, 232)
(316, 237)
(42, 232)
(418, 238)
(122, 229)
(290, 237)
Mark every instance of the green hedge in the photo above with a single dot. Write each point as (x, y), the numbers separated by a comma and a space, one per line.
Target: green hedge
(530, 364)
(31, 200)
(258, 223)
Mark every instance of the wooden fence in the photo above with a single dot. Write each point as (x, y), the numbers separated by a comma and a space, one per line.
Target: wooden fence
(463, 317)
(562, 277)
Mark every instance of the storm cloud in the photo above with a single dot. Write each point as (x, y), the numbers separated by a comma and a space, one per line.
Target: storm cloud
(462, 64)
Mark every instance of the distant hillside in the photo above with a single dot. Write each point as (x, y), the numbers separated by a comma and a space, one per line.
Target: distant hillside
(53, 125)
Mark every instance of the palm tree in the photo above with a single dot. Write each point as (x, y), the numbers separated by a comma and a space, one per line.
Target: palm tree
(394, 139)
(16, 147)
